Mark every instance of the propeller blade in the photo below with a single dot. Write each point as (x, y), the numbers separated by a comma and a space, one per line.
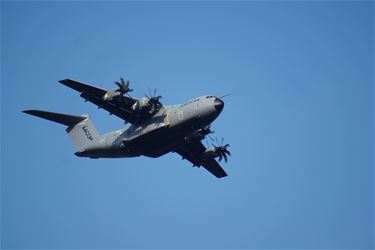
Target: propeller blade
(217, 142)
(119, 85)
(225, 157)
(127, 85)
(123, 86)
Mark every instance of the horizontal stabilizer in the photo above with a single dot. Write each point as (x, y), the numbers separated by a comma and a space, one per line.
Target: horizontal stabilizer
(68, 120)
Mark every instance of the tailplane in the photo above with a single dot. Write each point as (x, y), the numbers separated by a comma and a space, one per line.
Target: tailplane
(80, 128)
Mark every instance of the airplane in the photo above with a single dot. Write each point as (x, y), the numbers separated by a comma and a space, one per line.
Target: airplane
(152, 130)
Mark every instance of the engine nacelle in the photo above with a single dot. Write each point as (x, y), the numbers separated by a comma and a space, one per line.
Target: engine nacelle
(147, 105)
(110, 95)
(220, 151)
(210, 153)
(142, 105)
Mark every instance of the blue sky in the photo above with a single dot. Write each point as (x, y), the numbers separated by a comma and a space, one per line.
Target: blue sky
(299, 124)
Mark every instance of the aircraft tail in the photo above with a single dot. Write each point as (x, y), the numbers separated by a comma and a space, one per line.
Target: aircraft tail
(80, 128)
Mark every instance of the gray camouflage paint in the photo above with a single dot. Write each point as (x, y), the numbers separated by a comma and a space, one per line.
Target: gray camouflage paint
(174, 124)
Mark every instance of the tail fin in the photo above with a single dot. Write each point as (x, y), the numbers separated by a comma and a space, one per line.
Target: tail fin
(80, 128)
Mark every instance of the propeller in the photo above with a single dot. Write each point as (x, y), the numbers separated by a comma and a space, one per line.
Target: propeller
(221, 149)
(154, 100)
(123, 86)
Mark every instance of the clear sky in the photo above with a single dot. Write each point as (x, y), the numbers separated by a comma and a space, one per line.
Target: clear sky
(299, 124)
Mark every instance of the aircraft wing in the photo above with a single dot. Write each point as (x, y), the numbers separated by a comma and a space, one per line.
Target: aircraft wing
(193, 152)
(120, 107)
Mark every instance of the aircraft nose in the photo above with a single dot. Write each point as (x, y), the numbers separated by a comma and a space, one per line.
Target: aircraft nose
(219, 104)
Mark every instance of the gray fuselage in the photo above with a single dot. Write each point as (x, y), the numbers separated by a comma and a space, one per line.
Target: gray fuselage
(158, 135)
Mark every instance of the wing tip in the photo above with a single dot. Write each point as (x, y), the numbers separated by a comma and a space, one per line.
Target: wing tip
(65, 81)
(221, 175)
(30, 111)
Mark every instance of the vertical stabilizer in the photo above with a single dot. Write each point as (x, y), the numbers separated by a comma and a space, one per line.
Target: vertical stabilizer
(83, 133)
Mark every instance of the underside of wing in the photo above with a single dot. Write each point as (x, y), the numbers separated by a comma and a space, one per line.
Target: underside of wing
(82, 87)
(119, 106)
(120, 110)
(214, 168)
(194, 151)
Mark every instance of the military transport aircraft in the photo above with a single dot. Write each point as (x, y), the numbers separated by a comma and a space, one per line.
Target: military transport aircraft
(154, 129)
